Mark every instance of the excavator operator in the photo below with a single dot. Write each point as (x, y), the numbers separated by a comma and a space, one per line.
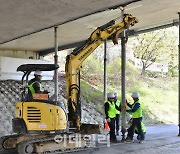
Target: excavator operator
(34, 85)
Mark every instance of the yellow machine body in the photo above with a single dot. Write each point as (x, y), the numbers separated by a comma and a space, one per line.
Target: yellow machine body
(41, 116)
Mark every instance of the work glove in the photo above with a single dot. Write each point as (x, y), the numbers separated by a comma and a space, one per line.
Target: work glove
(108, 120)
(127, 102)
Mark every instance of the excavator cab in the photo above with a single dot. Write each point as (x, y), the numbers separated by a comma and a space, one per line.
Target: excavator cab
(40, 114)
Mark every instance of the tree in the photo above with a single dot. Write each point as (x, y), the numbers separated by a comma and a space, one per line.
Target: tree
(171, 57)
(155, 46)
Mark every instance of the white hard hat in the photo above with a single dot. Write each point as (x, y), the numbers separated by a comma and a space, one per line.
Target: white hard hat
(116, 94)
(38, 73)
(135, 95)
(110, 95)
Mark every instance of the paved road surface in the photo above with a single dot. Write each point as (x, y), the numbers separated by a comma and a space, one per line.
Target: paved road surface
(160, 139)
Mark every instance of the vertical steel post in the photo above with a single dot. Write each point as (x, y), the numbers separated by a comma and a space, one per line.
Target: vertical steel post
(123, 83)
(179, 74)
(56, 62)
(105, 78)
(105, 70)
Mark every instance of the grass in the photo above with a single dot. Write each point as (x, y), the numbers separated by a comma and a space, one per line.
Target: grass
(90, 93)
(162, 100)
(159, 96)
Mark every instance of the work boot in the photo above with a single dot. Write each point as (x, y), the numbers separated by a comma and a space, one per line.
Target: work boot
(141, 141)
(114, 141)
(129, 139)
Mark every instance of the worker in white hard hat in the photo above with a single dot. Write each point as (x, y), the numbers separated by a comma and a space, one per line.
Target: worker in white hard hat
(110, 112)
(136, 111)
(38, 73)
(34, 85)
(117, 119)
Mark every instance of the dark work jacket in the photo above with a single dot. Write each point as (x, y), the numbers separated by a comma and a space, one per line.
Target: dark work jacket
(137, 105)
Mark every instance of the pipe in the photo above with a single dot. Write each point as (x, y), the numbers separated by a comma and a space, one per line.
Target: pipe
(123, 83)
(179, 74)
(56, 62)
(105, 78)
(105, 70)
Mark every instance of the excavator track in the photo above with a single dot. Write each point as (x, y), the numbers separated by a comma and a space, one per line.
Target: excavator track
(9, 143)
(22, 144)
(48, 145)
(3, 145)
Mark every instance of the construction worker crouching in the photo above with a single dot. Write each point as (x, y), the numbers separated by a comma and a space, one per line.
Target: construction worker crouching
(136, 111)
(136, 130)
(117, 119)
(110, 112)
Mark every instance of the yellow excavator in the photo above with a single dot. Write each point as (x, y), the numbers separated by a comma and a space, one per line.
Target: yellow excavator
(75, 59)
(38, 121)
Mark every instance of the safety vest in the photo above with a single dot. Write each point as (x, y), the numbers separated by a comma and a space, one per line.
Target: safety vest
(31, 88)
(117, 104)
(112, 110)
(138, 112)
(142, 127)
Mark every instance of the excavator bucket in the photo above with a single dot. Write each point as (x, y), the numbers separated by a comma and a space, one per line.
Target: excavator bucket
(92, 128)
(129, 20)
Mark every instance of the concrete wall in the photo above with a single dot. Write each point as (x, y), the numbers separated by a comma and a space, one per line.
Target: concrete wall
(8, 67)
(19, 54)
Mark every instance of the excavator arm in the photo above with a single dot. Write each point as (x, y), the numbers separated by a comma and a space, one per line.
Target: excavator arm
(75, 59)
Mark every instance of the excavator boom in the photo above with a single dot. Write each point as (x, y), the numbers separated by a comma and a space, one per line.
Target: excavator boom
(75, 59)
